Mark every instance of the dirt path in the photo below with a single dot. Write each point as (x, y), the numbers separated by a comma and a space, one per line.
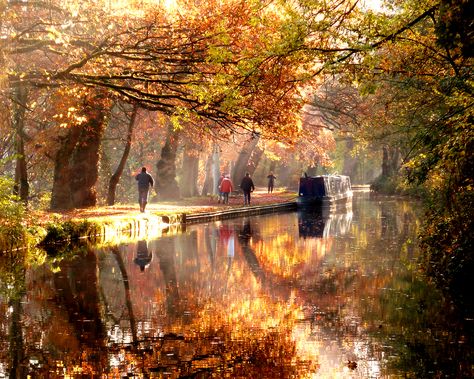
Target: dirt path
(188, 206)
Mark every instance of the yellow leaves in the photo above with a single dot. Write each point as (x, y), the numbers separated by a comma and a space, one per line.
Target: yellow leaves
(71, 117)
(70, 111)
(180, 116)
(56, 36)
(219, 54)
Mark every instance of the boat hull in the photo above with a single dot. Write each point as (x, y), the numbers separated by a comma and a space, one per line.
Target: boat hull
(325, 191)
(331, 202)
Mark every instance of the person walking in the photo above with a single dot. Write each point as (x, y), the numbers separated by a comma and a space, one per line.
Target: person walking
(271, 181)
(247, 186)
(225, 188)
(145, 182)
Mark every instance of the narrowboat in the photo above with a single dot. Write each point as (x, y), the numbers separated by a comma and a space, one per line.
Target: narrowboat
(326, 191)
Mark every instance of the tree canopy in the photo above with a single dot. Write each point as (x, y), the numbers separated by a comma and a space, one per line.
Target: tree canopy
(235, 63)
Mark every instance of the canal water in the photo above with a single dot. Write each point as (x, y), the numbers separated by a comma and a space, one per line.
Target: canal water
(288, 295)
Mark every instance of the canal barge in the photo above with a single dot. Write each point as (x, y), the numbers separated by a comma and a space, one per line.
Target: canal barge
(325, 191)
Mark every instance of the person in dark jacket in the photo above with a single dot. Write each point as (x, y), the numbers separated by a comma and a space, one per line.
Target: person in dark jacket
(145, 182)
(271, 182)
(247, 186)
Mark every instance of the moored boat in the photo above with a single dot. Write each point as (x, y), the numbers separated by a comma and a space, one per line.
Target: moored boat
(327, 191)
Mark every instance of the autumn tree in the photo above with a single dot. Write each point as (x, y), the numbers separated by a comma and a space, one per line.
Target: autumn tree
(76, 161)
(243, 163)
(417, 82)
(190, 167)
(165, 181)
(115, 178)
(237, 64)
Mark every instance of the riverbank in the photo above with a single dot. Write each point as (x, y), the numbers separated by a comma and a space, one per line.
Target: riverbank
(122, 222)
(188, 206)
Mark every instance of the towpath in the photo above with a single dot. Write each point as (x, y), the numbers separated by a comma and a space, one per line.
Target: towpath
(189, 206)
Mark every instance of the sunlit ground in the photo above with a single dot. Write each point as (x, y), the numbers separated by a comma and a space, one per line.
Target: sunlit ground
(188, 206)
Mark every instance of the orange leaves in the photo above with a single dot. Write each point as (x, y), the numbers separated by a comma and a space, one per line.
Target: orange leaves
(230, 62)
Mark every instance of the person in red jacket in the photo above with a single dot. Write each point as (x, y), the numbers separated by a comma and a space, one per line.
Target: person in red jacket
(226, 187)
(221, 195)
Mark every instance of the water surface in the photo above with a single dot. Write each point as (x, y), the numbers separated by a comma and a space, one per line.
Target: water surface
(289, 295)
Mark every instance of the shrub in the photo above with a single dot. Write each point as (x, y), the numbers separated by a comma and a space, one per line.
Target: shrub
(12, 216)
(446, 241)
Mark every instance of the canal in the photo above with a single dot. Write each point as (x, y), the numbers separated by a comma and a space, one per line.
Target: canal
(287, 295)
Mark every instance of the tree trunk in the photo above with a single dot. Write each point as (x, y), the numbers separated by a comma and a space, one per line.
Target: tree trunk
(61, 192)
(390, 161)
(385, 165)
(190, 170)
(86, 165)
(166, 185)
(216, 169)
(312, 170)
(350, 162)
(272, 166)
(115, 178)
(85, 160)
(242, 163)
(254, 160)
(20, 97)
(77, 160)
(209, 181)
(285, 177)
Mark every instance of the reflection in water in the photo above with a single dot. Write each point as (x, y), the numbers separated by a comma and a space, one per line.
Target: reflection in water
(245, 235)
(144, 257)
(227, 240)
(316, 223)
(290, 296)
(166, 255)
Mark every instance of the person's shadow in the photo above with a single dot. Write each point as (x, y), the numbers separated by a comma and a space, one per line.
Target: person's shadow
(143, 257)
(245, 233)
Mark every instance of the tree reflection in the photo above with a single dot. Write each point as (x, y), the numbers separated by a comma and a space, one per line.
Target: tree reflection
(165, 252)
(429, 343)
(12, 292)
(243, 298)
(126, 285)
(311, 224)
(77, 294)
(212, 353)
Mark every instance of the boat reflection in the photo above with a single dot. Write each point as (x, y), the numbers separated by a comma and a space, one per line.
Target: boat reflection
(321, 224)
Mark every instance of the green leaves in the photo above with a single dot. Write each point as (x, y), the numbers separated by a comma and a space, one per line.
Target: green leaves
(11, 210)
(12, 213)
